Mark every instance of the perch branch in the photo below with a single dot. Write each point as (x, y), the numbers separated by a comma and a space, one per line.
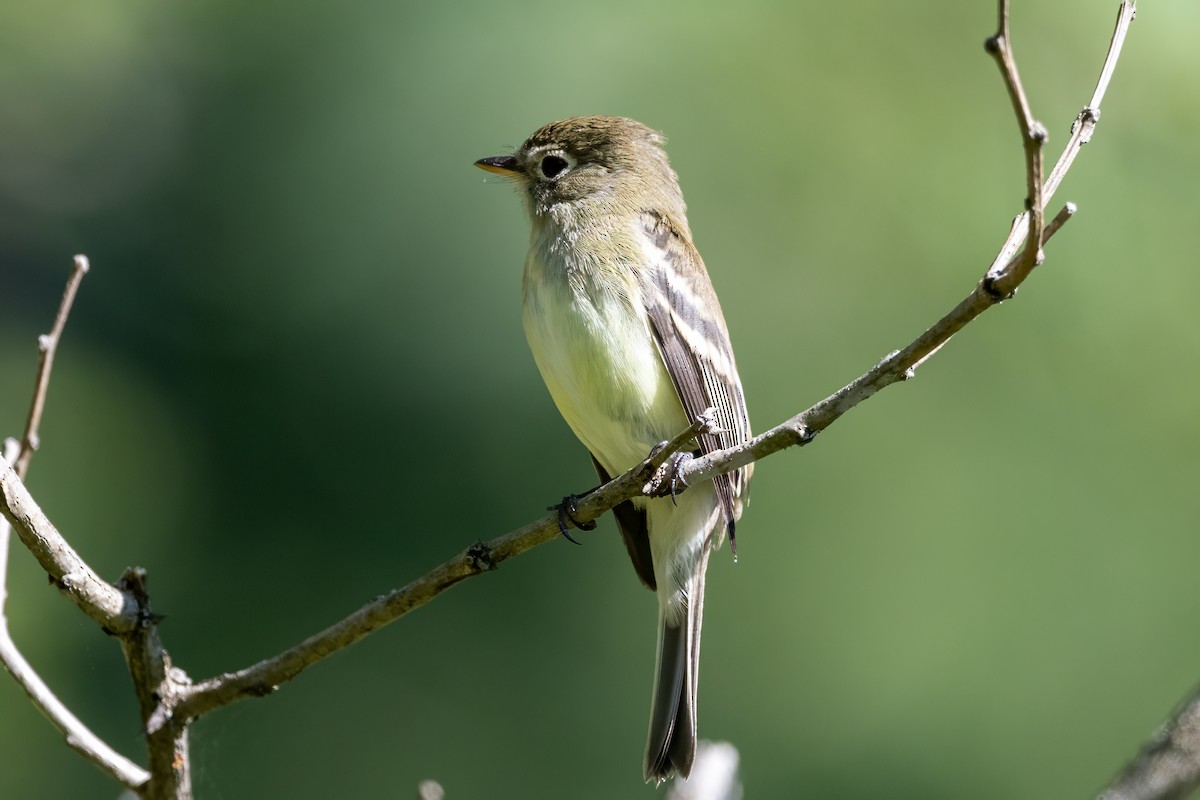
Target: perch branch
(264, 677)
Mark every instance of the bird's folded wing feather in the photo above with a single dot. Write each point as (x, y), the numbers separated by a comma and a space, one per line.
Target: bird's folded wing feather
(691, 334)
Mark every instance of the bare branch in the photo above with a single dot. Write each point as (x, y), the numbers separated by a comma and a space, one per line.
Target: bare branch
(1125, 16)
(1060, 219)
(48, 344)
(77, 735)
(1168, 766)
(899, 365)
(94, 596)
(1033, 138)
(158, 685)
(264, 677)
(1081, 133)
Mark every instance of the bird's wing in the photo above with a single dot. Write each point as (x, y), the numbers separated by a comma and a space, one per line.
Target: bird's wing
(691, 334)
(631, 521)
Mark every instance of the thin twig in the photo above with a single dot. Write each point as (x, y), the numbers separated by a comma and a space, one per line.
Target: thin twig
(1125, 16)
(77, 735)
(48, 344)
(1033, 139)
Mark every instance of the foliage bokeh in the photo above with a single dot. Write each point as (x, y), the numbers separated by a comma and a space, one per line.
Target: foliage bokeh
(296, 378)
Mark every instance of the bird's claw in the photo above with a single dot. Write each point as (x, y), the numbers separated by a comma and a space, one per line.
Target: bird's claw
(667, 479)
(566, 513)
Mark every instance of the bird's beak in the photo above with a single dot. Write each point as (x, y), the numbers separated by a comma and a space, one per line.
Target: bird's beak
(508, 166)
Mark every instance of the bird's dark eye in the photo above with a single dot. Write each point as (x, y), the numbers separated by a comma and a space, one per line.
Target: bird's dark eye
(553, 166)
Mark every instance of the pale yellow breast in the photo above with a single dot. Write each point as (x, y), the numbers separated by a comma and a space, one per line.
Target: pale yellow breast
(592, 342)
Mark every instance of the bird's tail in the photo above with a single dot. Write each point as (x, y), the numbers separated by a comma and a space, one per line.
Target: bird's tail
(671, 743)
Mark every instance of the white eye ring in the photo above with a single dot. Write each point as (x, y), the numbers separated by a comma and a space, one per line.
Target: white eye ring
(555, 164)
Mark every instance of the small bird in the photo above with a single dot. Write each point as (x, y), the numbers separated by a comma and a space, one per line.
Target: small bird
(629, 337)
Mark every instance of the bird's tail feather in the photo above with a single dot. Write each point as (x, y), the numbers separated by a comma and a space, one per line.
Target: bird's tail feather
(671, 743)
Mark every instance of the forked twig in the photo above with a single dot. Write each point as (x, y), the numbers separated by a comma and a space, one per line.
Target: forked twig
(17, 455)
(1081, 133)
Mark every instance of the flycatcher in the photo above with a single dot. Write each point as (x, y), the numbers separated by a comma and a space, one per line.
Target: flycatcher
(631, 342)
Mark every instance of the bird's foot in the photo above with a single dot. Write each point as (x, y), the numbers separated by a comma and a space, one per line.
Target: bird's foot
(667, 479)
(566, 513)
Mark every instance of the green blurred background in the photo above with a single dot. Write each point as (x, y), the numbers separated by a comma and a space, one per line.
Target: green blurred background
(296, 378)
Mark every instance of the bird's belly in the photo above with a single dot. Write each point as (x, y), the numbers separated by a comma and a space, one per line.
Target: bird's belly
(603, 368)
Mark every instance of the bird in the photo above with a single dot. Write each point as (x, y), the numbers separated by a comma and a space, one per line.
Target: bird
(629, 337)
